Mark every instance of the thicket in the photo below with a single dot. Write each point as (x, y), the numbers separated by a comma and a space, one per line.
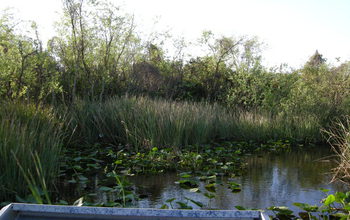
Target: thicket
(98, 53)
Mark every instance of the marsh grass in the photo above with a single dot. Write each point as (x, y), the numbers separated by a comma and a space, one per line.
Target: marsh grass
(36, 181)
(339, 139)
(27, 130)
(135, 123)
(143, 122)
(262, 127)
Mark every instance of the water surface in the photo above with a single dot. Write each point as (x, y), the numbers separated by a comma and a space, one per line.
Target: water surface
(269, 180)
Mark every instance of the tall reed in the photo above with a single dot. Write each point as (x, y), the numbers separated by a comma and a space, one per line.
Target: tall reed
(144, 122)
(27, 130)
(134, 122)
(339, 138)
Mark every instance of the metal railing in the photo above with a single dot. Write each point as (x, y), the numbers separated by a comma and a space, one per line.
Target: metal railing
(22, 211)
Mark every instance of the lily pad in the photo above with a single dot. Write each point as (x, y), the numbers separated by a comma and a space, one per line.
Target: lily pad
(210, 187)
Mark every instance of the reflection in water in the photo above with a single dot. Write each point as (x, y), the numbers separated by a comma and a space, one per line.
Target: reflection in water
(269, 180)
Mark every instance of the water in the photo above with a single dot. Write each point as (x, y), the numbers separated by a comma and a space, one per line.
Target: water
(270, 180)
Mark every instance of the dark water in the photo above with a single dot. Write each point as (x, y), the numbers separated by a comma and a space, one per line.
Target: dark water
(270, 180)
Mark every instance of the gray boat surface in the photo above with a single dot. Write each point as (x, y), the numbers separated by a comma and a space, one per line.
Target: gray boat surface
(23, 211)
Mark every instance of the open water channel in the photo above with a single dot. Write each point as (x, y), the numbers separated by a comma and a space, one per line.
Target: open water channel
(269, 180)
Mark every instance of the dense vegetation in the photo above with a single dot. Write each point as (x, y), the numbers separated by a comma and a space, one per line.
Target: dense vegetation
(98, 53)
(97, 82)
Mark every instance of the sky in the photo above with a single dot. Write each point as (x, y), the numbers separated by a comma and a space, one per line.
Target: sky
(291, 30)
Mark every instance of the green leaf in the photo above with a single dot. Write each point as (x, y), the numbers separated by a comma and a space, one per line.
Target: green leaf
(105, 189)
(325, 190)
(281, 210)
(164, 207)
(170, 200)
(77, 167)
(329, 200)
(77, 159)
(339, 196)
(224, 167)
(184, 205)
(347, 207)
(209, 195)
(306, 207)
(195, 202)
(210, 187)
(118, 162)
(83, 178)
(63, 202)
(187, 184)
(72, 181)
(235, 187)
(111, 204)
(185, 176)
(93, 165)
(240, 207)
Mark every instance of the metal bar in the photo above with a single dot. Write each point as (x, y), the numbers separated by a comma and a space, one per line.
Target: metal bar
(20, 211)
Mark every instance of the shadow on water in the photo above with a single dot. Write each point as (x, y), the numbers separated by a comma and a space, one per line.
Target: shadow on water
(279, 180)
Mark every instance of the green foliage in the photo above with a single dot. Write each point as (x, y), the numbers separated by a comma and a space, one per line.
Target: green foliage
(334, 206)
(129, 128)
(339, 138)
(321, 91)
(27, 71)
(27, 131)
(143, 122)
(139, 122)
(39, 189)
(97, 54)
(177, 104)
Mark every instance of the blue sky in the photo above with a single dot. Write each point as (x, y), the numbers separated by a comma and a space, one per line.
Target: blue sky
(291, 29)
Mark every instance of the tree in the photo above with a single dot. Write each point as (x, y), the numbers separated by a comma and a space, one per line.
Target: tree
(27, 71)
(321, 90)
(96, 47)
(316, 60)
